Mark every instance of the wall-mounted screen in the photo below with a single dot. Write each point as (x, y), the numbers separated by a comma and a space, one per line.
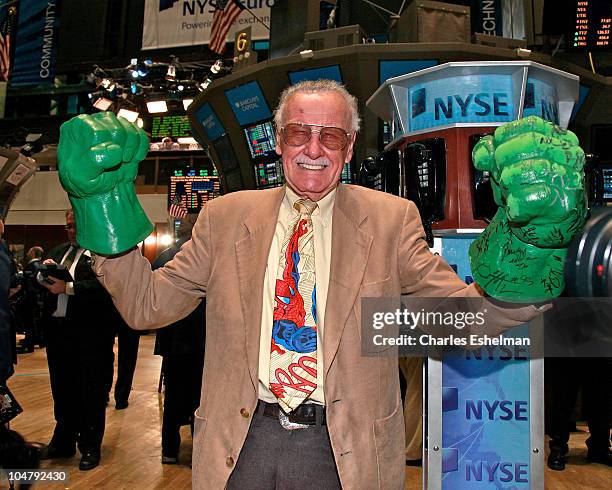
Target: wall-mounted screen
(260, 138)
(210, 122)
(193, 188)
(591, 24)
(172, 125)
(248, 103)
(225, 153)
(269, 174)
(325, 72)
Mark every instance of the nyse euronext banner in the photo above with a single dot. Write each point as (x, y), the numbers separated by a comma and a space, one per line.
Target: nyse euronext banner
(36, 43)
(170, 23)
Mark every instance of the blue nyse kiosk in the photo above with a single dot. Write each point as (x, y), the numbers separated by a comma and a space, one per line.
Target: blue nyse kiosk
(485, 413)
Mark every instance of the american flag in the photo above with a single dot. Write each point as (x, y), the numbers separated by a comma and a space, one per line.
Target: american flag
(226, 13)
(177, 208)
(5, 44)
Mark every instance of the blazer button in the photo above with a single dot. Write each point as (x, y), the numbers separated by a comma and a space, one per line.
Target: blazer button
(244, 413)
(229, 462)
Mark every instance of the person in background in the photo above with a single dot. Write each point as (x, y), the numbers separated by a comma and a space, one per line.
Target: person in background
(6, 338)
(181, 345)
(79, 337)
(30, 305)
(127, 355)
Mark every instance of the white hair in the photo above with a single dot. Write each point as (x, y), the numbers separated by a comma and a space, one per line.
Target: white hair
(310, 86)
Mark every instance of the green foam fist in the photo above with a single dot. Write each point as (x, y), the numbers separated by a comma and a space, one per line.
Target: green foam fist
(536, 171)
(98, 159)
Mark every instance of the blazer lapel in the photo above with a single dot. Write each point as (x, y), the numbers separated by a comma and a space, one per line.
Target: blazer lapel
(252, 258)
(350, 250)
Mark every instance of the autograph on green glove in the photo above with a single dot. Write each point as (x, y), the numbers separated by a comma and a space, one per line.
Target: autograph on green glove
(536, 171)
(98, 161)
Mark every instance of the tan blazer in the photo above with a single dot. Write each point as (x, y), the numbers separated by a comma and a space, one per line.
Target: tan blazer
(378, 249)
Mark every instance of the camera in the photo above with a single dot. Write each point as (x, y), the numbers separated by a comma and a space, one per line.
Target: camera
(588, 267)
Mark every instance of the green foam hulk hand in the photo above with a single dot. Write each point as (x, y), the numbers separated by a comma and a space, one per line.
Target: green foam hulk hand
(536, 171)
(98, 159)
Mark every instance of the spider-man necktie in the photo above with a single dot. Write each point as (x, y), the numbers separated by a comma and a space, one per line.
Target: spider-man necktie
(293, 353)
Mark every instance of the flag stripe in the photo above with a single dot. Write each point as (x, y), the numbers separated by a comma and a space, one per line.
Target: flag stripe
(223, 18)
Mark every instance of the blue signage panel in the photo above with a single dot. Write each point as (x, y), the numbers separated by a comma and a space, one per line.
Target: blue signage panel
(325, 72)
(248, 103)
(541, 100)
(394, 68)
(461, 99)
(36, 43)
(210, 122)
(485, 406)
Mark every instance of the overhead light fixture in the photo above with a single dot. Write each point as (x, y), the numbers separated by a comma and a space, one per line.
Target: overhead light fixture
(102, 104)
(216, 68)
(157, 106)
(108, 84)
(204, 85)
(187, 141)
(180, 88)
(187, 103)
(131, 116)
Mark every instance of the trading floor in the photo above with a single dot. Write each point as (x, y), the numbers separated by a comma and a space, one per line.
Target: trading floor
(131, 448)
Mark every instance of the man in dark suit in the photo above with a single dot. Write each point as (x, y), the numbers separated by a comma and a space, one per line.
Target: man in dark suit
(6, 344)
(79, 351)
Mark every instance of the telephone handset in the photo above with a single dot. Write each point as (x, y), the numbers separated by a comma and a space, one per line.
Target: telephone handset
(425, 165)
(482, 192)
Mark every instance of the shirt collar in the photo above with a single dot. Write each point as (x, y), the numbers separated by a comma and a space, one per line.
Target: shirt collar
(325, 206)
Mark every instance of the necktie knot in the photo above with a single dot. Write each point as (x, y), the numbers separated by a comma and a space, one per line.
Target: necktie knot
(305, 206)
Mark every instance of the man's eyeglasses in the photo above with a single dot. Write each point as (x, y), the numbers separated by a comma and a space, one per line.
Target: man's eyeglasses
(298, 134)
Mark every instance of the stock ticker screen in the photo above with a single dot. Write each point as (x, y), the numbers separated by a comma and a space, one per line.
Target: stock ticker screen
(269, 174)
(193, 188)
(174, 126)
(591, 21)
(260, 138)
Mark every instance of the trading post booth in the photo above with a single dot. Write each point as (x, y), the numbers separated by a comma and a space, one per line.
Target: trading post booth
(485, 409)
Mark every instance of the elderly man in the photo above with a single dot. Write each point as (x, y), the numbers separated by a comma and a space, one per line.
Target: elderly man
(287, 401)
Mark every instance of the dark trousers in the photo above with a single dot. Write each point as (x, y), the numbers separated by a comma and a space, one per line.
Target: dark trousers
(566, 377)
(127, 354)
(276, 458)
(77, 367)
(183, 381)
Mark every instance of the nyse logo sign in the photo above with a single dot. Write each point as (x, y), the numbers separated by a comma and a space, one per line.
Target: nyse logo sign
(504, 471)
(461, 99)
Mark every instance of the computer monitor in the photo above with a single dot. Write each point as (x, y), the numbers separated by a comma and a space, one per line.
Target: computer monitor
(261, 140)
(269, 173)
(193, 188)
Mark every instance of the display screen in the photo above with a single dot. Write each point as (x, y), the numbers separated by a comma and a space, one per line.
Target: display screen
(210, 122)
(591, 21)
(325, 72)
(173, 126)
(607, 183)
(225, 153)
(269, 174)
(248, 103)
(193, 188)
(260, 138)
